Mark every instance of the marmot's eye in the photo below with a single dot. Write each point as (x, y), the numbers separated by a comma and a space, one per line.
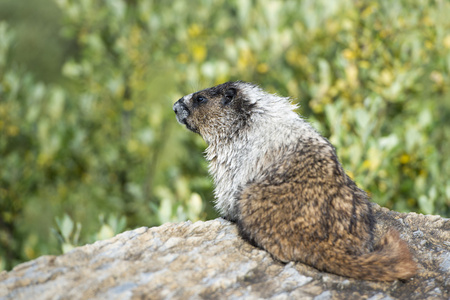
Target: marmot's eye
(200, 99)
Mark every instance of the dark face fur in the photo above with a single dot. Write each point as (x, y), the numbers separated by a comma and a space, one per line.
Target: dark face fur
(214, 111)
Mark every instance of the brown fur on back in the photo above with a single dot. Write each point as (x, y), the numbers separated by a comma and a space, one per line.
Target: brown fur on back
(306, 209)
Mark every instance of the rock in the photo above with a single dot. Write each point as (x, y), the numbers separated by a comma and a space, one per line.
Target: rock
(209, 260)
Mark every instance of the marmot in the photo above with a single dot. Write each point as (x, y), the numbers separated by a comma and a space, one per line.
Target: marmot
(282, 183)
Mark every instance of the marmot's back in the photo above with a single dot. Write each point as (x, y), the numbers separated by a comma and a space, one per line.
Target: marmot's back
(306, 209)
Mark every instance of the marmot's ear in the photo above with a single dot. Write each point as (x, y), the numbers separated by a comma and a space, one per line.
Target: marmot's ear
(228, 96)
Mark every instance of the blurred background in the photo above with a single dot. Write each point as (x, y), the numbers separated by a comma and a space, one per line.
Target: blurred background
(89, 145)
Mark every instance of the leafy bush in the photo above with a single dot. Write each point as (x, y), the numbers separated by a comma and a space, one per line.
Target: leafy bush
(102, 140)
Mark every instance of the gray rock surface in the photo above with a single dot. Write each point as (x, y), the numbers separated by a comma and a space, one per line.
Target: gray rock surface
(208, 260)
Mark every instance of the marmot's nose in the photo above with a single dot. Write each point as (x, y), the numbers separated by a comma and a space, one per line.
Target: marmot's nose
(181, 111)
(177, 106)
(180, 106)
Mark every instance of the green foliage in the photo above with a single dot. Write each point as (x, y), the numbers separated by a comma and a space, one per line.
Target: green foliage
(38, 44)
(68, 233)
(100, 139)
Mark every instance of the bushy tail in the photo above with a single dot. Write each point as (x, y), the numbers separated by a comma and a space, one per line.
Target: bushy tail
(389, 261)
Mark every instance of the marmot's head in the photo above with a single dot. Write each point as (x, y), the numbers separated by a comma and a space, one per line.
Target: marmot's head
(235, 110)
(217, 112)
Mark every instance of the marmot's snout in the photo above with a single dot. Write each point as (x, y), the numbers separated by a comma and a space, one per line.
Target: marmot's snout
(181, 111)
